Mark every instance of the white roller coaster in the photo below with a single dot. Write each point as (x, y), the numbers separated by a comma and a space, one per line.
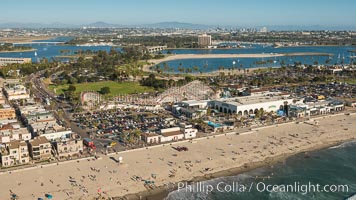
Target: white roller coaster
(195, 90)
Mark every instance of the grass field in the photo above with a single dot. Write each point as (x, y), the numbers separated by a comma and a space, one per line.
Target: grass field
(351, 81)
(115, 87)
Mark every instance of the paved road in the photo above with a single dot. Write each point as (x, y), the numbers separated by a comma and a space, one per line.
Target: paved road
(60, 108)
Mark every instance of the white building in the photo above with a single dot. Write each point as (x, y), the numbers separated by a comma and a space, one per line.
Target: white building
(188, 131)
(171, 134)
(322, 107)
(191, 109)
(53, 135)
(39, 121)
(251, 104)
(264, 30)
(5, 61)
(36, 117)
(14, 134)
(151, 138)
(67, 148)
(31, 109)
(16, 92)
(14, 153)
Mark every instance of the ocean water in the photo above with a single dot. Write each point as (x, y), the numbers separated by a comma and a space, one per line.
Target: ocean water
(52, 50)
(205, 65)
(330, 167)
(340, 53)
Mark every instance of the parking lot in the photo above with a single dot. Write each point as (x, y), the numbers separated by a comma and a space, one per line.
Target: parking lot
(121, 126)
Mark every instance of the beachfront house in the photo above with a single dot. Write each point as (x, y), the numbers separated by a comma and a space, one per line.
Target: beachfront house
(297, 111)
(188, 131)
(151, 138)
(40, 149)
(14, 153)
(321, 107)
(171, 134)
(184, 131)
(67, 148)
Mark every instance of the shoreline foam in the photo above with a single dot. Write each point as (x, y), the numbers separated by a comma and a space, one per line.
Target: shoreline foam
(162, 193)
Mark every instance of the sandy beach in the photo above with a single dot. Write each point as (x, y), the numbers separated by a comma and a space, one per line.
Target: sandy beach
(15, 51)
(88, 178)
(23, 39)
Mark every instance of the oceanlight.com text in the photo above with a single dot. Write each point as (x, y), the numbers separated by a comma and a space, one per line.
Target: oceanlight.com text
(236, 187)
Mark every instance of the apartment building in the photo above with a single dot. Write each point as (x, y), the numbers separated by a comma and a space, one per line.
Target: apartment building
(9, 133)
(6, 112)
(204, 40)
(40, 149)
(67, 148)
(14, 153)
(16, 92)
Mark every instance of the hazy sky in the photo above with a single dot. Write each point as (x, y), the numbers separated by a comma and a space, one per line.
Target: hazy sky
(211, 12)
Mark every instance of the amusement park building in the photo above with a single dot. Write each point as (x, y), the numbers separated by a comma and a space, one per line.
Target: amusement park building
(251, 104)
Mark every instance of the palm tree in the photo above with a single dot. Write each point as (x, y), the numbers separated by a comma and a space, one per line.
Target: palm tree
(188, 70)
(137, 134)
(158, 68)
(196, 68)
(181, 69)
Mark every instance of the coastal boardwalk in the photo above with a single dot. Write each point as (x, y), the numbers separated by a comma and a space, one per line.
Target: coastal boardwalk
(86, 179)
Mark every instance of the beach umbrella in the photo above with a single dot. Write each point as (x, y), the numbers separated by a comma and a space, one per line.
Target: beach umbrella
(39, 199)
(49, 196)
(14, 196)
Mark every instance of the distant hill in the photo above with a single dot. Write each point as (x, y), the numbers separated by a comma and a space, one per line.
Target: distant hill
(176, 25)
(103, 25)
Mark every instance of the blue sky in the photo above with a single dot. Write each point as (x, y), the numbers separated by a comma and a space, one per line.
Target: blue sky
(211, 12)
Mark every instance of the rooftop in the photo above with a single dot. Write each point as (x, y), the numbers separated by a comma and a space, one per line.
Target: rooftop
(238, 101)
(39, 140)
(16, 144)
(150, 134)
(12, 145)
(194, 102)
(167, 134)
